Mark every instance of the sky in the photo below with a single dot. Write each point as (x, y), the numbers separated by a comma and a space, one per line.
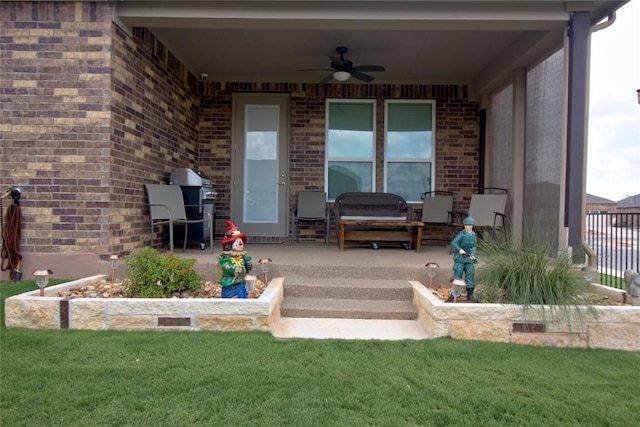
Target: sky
(613, 157)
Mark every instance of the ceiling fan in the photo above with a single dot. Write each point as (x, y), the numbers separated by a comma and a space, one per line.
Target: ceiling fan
(342, 69)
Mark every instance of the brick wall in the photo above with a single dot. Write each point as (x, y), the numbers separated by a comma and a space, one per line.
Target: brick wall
(89, 115)
(154, 128)
(457, 136)
(609, 207)
(55, 122)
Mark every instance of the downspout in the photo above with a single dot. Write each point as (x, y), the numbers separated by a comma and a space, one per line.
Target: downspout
(592, 257)
(611, 18)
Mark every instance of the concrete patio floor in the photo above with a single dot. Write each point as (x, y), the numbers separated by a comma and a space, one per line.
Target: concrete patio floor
(306, 257)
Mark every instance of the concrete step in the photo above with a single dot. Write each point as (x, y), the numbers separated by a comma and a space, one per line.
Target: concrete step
(347, 298)
(373, 271)
(353, 329)
(347, 288)
(356, 307)
(348, 308)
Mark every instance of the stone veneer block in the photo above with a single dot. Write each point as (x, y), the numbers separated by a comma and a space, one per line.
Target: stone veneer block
(143, 306)
(85, 313)
(32, 312)
(231, 307)
(468, 311)
(550, 339)
(225, 323)
(264, 323)
(131, 323)
(440, 329)
(483, 330)
(618, 336)
(618, 314)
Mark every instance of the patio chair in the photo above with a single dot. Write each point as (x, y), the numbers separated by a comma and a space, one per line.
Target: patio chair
(312, 206)
(487, 208)
(166, 205)
(437, 211)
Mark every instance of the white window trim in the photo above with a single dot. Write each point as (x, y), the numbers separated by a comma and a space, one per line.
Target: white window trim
(432, 160)
(329, 101)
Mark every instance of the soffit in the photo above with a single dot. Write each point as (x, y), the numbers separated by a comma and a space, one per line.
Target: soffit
(462, 42)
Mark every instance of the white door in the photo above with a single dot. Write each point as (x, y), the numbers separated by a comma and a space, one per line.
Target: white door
(260, 164)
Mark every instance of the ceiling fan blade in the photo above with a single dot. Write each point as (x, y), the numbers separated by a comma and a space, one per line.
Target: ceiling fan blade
(327, 79)
(361, 76)
(369, 68)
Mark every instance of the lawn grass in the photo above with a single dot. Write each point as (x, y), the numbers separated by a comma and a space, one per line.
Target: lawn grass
(108, 378)
(612, 281)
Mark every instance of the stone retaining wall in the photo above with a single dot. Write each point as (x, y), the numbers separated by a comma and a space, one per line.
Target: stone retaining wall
(612, 327)
(29, 310)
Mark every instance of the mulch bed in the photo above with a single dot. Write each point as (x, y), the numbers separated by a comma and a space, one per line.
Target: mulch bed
(443, 293)
(106, 289)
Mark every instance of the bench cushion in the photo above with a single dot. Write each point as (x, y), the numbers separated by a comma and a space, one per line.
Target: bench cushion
(373, 218)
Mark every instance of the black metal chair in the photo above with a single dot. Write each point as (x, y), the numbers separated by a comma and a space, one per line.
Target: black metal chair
(312, 206)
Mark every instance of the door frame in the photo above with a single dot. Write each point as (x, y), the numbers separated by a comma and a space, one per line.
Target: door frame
(240, 100)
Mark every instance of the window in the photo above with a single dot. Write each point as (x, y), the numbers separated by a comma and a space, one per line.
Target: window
(350, 147)
(409, 148)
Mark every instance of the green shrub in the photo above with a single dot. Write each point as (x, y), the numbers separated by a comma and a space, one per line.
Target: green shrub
(523, 273)
(154, 275)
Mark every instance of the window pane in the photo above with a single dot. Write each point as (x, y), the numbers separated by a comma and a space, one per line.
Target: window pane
(261, 174)
(351, 116)
(350, 147)
(349, 176)
(409, 145)
(350, 144)
(409, 130)
(261, 164)
(409, 180)
(409, 117)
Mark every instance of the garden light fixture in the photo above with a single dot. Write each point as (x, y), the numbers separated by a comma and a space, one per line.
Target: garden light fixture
(250, 282)
(265, 265)
(115, 262)
(42, 278)
(431, 272)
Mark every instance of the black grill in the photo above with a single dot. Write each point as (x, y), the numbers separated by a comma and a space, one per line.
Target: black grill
(197, 189)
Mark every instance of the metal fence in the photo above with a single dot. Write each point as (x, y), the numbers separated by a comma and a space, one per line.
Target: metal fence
(615, 238)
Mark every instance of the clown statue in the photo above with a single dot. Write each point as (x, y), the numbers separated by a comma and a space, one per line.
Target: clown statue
(464, 259)
(233, 263)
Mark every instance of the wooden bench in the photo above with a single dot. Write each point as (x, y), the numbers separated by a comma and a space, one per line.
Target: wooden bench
(375, 217)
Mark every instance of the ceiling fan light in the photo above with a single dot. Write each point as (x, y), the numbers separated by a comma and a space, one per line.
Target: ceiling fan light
(341, 76)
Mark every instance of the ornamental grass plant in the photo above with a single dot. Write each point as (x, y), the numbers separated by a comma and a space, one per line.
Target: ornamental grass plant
(524, 273)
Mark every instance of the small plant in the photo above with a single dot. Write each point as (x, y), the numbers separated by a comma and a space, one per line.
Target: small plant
(154, 275)
(524, 273)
